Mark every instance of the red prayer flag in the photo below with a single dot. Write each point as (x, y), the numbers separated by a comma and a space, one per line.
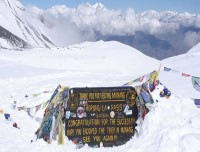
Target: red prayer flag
(141, 79)
(185, 75)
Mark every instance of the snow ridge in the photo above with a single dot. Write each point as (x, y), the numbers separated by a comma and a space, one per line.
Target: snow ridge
(16, 20)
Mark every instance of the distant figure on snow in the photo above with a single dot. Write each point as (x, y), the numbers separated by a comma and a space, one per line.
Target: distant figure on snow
(7, 116)
(15, 125)
(14, 105)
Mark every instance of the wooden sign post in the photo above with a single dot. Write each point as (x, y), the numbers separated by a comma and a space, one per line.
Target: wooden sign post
(101, 116)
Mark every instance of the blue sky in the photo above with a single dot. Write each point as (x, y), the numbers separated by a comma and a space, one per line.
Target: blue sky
(191, 6)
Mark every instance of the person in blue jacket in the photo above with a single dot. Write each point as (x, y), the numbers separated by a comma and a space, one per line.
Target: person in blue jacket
(7, 116)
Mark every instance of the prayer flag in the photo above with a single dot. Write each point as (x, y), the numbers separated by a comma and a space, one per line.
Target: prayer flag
(185, 75)
(196, 83)
(167, 69)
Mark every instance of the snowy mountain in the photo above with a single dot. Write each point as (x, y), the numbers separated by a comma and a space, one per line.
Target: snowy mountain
(156, 34)
(19, 28)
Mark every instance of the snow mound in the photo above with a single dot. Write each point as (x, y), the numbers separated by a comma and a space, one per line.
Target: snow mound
(173, 125)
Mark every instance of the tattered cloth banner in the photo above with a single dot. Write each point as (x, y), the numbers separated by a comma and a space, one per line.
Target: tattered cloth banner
(196, 83)
(153, 76)
(37, 108)
(153, 80)
(29, 111)
(51, 124)
(140, 79)
(134, 81)
(41, 106)
(37, 94)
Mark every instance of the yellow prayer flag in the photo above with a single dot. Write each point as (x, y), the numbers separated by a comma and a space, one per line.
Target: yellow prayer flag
(1, 111)
(130, 83)
(153, 77)
(60, 134)
(36, 94)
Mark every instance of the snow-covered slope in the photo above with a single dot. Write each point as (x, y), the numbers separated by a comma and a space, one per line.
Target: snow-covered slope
(76, 65)
(195, 49)
(99, 57)
(188, 63)
(172, 125)
(20, 28)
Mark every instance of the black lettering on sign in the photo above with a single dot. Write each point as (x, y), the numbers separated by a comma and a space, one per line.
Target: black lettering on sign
(101, 115)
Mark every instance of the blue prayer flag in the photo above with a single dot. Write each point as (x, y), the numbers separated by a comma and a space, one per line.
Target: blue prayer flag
(167, 69)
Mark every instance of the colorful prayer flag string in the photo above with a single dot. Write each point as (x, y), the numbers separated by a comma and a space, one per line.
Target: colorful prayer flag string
(166, 69)
(140, 79)
(195, 80)
(37, 107)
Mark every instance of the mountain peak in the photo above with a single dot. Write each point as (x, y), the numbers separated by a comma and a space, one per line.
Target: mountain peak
(97, 6)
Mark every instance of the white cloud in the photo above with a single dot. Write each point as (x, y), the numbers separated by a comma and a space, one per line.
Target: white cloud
(192, 38)
(82, 23)
(197, 24)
